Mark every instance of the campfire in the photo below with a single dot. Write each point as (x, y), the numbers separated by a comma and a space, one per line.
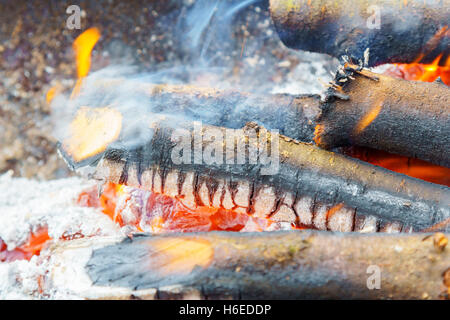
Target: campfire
(201, 186)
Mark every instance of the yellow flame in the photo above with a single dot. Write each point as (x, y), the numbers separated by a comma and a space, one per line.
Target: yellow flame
(50, 94)
(431, 69)
(91, 131)
(83, 46)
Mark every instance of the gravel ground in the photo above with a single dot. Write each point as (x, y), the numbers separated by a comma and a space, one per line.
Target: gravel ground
(36, 54)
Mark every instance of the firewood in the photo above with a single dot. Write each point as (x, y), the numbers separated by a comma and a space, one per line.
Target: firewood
(392, 31)
(293, 115)
(300, 179)
(279, 265)
(372, 110)
(403, 117)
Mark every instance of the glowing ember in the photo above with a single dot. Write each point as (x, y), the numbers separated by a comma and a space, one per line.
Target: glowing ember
(438, 226)
(157, 213)
(91, 131)
(334, 209)
(32, 247)
(423, 72)
(409, 166)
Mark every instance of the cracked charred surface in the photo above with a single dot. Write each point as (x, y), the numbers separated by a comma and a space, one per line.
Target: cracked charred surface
(281, 265)
(344, 28)
(308, 183)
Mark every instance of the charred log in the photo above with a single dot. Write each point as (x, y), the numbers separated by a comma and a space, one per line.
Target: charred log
(298, 176)
(282, 265)
(407, 30)
(293, 116)
(403, 117)
(362, 108)
(409, 118)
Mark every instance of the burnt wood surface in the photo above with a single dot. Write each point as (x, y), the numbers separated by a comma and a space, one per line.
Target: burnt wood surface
(413, 120)
(408, 30)
(293, 115)
(276, 265)
(304, 170)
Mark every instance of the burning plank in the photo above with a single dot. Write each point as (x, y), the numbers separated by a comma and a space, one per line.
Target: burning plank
(393, 31)
(297, 183)
(282, 265)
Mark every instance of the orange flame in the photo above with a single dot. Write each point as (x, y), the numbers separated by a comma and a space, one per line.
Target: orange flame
(50, 94)
(420, 72)
(423, 72)
(83, 46)
(180, 256)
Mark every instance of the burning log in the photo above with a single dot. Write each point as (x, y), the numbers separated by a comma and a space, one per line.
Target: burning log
(297, 182)
(393, 31)
(280, 265)
(372, 110)
(401, 117)
(293, 116)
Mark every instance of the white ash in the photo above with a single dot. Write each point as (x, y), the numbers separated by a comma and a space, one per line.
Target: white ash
(309, 76)
(71, 260)
(26, 205)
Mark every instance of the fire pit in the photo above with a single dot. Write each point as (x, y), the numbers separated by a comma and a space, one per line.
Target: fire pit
(230, 171)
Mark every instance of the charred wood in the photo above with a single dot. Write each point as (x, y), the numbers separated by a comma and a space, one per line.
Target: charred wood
(301, 172)
(281, 265)
(400, 31)
(361, 108)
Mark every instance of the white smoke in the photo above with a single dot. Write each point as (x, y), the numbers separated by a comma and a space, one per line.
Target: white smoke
(216, 53)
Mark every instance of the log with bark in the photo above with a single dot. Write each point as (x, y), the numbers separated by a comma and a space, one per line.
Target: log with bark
(392, 30)
(287, 180)
(280, 265)
(377, 111)
(362, 108)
